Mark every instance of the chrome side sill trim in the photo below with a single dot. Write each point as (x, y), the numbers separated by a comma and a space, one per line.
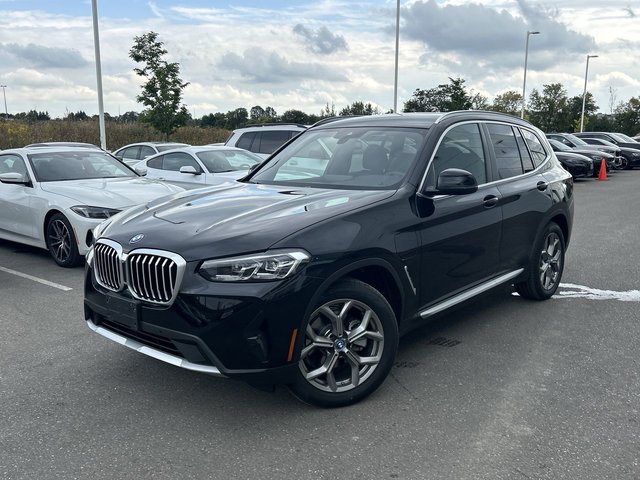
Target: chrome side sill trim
(152, 352)
(450, 302)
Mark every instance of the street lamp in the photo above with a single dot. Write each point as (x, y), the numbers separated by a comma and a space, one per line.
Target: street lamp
(96, 45)
(584, 93)
(4, 94)
(526, 57)
(395, 83)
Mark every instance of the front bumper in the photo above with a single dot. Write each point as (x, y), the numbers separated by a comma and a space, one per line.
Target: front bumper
(233, 330)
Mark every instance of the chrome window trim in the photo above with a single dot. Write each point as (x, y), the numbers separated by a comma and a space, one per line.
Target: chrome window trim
(495, 182)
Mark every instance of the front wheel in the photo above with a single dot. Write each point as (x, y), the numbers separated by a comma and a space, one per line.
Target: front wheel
(350, 343)
(61, 241)
(545, 266)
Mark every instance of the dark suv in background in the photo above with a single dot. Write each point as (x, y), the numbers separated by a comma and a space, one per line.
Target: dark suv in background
(306, 271)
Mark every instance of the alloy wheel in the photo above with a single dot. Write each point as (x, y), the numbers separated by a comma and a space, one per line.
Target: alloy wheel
(59, 240)
(551, 261)
(343, 346)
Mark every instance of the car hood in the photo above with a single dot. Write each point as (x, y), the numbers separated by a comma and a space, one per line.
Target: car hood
(597, 148)
(573, 156)
(233, 218)
(111, 192)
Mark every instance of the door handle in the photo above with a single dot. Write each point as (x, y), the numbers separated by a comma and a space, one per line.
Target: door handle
(542, 186)
(490, 201)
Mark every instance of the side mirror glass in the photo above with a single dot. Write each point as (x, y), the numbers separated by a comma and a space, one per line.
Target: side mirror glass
(454, 181)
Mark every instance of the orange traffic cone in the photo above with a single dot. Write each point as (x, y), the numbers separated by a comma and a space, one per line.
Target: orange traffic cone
(603, 170)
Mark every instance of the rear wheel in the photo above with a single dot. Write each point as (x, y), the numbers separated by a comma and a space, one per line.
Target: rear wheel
(545, 266)
(350, 343)
(61, 241)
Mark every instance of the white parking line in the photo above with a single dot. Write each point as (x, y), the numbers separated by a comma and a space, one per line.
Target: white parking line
(36, 279)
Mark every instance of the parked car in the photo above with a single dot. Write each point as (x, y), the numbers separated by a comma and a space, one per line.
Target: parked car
(631, 155)
(306, 272)
(636, 138)
(135, 152)
(264, 139)
(192, 167)
(576, 164)
(570, 140)
(53, 198)
(596, 156)
(617, 139)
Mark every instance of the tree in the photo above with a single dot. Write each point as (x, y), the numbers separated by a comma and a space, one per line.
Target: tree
(257, 112)
(237, 118)
(549, 111)
(162, 91)
(443, 98)
(295, 116)
(359, 108)
(508, 102)
(575, 110)
(328, 111)
(628, 117)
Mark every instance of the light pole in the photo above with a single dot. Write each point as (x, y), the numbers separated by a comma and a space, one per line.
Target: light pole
(96, 44)
(4, 94)
(526, 58)
(584, 93)
(395, 83)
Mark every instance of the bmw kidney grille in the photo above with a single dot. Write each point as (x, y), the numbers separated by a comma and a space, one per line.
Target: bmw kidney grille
(150, 275)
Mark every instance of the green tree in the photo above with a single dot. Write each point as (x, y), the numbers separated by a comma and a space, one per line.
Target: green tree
(359, 108)
(628, 117)
(328, 111)
(295, 116)
(549, 110)
(237, 118)
(162, 91)
(256, 112)
(575, 111)
(508, 102)
(443, 98)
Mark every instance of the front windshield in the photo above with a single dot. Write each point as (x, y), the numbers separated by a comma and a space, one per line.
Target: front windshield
(559, 146)
(575, 140)
(218, 161)
(348, 157)
(77, 165)
(621, 137)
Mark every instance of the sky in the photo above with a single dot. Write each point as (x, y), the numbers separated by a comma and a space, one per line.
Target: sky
(306, 54)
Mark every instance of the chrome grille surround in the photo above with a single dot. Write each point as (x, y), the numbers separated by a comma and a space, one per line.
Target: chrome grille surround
(150, 275)
(108, 265)
(154, 275)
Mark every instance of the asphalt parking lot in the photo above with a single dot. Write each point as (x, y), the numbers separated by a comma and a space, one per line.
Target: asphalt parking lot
(502, 388)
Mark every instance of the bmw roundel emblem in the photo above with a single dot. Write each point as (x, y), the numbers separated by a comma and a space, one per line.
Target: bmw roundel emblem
(136, 238)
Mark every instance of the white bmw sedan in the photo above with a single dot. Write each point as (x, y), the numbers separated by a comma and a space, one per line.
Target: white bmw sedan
(194, 167)
(53, 198)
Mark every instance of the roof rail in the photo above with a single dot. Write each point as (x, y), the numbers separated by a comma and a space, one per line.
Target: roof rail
(274, 124)
(330, 119)
(457, 112)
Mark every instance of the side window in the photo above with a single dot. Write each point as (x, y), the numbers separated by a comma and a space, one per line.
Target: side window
(461, 147)
(527, 161)
(177, 160)
(535, 147)
(156, 162)
(245, 141)
(12, 164)
(146, 151)
(506, 149)
(130, 153)
(271, 141)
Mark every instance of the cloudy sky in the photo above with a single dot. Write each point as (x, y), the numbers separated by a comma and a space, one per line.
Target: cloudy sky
(307, 53)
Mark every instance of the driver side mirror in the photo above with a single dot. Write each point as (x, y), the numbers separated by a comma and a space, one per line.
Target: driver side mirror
(455, 181)
(14, 178)
(190, 169)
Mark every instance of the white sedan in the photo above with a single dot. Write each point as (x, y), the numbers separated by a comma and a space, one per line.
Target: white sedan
(53, 198)
(193, 167)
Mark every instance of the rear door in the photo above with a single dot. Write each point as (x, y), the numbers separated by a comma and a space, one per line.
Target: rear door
(526, 194)
(16, 213)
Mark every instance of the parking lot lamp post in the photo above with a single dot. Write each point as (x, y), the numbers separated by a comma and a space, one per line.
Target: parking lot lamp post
(96, 44)
(4, 94)
(395, 83)
(524, 82)
(584, 93)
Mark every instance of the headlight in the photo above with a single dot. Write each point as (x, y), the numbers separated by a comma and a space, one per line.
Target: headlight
(274, 265)
(94, 212)
(635, 154)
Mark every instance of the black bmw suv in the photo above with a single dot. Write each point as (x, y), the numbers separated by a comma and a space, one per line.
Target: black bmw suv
(306, 272)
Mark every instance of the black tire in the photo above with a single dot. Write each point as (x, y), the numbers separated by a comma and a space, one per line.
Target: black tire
(61, 241)
(337, 338)
(545, 266)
